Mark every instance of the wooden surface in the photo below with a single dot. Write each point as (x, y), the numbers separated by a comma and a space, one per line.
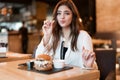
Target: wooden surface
(9, 70)
(14, 43)
(13, 56)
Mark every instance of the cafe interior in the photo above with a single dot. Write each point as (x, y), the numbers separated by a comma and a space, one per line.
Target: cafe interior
(100, 18)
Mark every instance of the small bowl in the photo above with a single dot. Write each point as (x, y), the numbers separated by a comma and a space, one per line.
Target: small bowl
(59, 63)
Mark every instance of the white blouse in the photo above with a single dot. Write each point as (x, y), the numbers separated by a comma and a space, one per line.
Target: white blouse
(71, 57)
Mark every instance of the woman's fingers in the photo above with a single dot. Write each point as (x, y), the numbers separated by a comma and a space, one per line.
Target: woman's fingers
(48, 26)
(88, 57)
(87, 54)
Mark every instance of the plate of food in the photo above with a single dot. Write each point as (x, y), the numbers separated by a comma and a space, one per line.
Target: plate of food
(43, 64)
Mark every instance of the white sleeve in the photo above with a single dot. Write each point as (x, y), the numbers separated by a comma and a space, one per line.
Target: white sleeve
(40, 48)
(87, 42)
(89, 46)
(44, 49)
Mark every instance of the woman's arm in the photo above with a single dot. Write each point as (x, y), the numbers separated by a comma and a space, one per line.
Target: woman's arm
(44, 45)
(46, 49)
(88, 56)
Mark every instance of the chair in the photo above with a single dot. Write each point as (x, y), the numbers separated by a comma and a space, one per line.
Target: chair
(106, 60)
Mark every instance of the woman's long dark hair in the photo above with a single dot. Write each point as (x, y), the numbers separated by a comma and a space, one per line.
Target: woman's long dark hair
(75, 25)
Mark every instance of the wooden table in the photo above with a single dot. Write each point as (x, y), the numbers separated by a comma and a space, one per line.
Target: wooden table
(10, 71)
(12, 56)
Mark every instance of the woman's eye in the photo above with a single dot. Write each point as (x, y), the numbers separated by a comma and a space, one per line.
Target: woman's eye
(58, 13)
(67, 13)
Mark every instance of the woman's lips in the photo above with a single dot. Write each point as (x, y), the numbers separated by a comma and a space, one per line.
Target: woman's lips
(62, 22)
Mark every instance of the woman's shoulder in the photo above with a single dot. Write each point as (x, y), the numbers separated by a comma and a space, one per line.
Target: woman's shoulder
(83, 32)
(84, 35)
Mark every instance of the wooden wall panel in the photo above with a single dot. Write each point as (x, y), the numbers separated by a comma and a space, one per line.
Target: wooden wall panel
(107, 15)
(14, 42)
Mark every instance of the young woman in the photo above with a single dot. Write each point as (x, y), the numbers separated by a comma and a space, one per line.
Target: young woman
(64, 38)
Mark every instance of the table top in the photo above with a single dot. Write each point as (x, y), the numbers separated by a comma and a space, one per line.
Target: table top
(12, 56)
(9, 70)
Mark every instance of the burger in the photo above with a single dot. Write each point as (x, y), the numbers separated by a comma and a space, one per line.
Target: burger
(43, 62)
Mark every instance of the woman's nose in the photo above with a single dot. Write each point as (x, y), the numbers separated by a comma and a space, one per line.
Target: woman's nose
(62, 16)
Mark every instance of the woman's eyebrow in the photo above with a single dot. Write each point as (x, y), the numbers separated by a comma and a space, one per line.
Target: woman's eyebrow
(67, 11)
(59, 11)
(64, 11)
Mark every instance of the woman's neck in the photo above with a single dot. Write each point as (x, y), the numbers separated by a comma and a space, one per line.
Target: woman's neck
(66, 33)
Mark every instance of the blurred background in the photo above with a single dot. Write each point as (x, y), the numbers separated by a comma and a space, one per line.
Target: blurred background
(100, 18)
(34, 12)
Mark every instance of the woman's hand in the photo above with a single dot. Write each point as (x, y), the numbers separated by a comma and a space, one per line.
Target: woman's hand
(47, 31)
(88, 58)
(47, 27)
